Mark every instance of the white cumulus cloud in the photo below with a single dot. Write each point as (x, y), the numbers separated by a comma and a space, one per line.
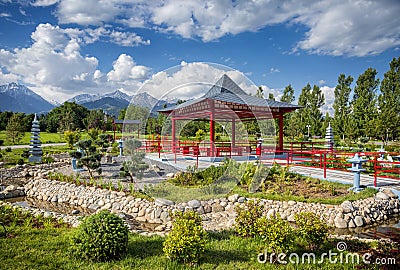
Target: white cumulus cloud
(329, 93)
(55, 68)
(125, 70)
(334, 27)
(191, 80)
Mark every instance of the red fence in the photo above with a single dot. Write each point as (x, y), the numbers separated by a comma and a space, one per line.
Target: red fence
(310, 154)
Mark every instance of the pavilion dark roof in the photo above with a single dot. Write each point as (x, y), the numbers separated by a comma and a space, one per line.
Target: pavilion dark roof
(226, 90)
(127, 122)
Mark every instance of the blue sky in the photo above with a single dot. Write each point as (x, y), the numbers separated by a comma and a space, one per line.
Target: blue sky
(60, 48)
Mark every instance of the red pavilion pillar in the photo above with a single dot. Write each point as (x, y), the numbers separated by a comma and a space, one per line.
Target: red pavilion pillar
(212, 131)
(233, 133)
(280, 124)
(173, 136)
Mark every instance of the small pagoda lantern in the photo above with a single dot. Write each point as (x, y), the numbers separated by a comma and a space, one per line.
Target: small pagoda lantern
(329, 137)
(35, 149)
(356, 168)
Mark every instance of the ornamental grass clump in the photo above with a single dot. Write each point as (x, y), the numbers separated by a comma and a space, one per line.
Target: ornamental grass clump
(186, 242)
(101, 237)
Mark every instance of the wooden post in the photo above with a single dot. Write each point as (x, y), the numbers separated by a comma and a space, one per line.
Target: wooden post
(173, 135)
(212, 131)
(233, 133)
(280, 123)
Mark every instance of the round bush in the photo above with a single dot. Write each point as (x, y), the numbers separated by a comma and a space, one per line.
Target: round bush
(101, 237)
(186, 242)
(246, 219)
(312, 229)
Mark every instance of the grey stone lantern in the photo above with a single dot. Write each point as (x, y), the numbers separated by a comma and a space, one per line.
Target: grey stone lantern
(121, 147)
(329, 137)
(356, 168)
(35, 149)
(381, 152)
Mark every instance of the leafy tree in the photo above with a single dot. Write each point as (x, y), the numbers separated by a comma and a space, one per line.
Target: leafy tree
(95, 119)
(317, 100)
(93, 133)
(26, 121)
(389, 103)
(90, 158)
(364, 102)
(288, 97)
(341, 105)
(14, 128)
(288, 94)
(68, 116)
(271, 96)
(294, 125)
(104, 141)
(134, 112)
(4, 118)
(200, 135)
(260, 92)
(71, 137)
(301, 117)
(136, 166)
(327, 119)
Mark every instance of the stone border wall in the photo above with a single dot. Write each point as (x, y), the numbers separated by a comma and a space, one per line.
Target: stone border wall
(217, 214)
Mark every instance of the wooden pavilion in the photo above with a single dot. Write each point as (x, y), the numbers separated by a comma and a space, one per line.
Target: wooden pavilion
(226, 101)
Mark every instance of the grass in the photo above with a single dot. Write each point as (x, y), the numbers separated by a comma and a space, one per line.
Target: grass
(49, 249)
(11, 158)
(351, 196)
(45, 137)
(278, 184)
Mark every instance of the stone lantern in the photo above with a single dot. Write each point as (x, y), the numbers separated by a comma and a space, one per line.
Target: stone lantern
(121, 147)
(356, 168)
(35, 149)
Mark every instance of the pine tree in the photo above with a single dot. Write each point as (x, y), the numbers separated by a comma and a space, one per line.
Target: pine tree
(288, 97)
(389, 103)
(364, 103)
(317, 100)
(341, 105)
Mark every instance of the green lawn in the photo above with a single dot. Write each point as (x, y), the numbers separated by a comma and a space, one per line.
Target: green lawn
(49, 249)
(12, 156)
(45, 137)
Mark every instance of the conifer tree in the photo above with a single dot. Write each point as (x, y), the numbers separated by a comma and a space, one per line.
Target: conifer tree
(387, 122)
(364, 103)
(341, 105)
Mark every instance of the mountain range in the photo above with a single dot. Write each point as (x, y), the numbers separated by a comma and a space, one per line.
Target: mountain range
(19, 98)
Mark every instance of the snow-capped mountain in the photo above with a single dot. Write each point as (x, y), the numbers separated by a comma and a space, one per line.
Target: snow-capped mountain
(142, 99)
(85, 98)
(19, 98)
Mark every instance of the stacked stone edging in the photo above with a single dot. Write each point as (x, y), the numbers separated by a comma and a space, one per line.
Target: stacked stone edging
(28, 171)
(217, 214)
(11, 191)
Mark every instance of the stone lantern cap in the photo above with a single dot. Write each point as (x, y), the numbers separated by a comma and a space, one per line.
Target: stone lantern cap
(356, 163)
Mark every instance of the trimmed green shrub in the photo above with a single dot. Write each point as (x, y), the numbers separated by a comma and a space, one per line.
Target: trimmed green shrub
(277, 233)
(311, 229)
(8, 149)
(246, 219)
(101, 237)
(186, 241)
